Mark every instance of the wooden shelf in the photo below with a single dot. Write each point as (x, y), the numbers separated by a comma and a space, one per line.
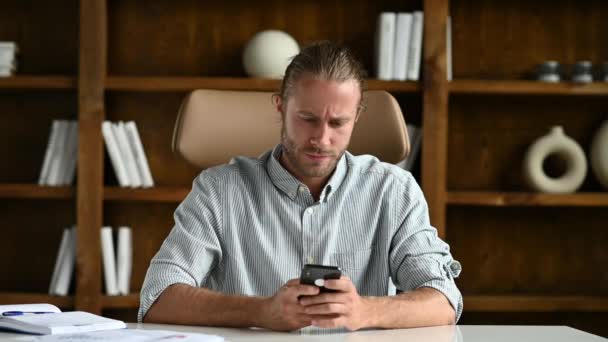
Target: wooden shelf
(527, 88)
(121, 302)
(504, 199)
(510, 303)
(32, 298)
(37, 82)
(35, 191)
(156, 194)
(135, 83)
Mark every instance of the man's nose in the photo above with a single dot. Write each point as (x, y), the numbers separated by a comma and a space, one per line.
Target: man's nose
(322, 137)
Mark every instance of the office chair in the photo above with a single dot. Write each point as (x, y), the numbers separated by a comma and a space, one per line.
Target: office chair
(215, 125)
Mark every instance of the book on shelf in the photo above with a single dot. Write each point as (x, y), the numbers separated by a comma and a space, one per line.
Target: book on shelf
(8, 60)
(61, 154)
(47, 319)
(127, 154)
(398, 46)
(64, 263)
(117, 262)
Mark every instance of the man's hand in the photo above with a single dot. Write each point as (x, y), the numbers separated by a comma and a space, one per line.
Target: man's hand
(344, 308)
(284, 312)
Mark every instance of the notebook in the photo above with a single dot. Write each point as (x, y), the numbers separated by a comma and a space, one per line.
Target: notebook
(47, 319)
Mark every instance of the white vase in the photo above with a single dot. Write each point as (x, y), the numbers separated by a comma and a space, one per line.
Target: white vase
(599, 154)
(564, 147)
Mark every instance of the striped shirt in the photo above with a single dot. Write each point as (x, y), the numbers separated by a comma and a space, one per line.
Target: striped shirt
(248, 227)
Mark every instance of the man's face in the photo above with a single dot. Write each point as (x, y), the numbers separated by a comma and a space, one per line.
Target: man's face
(318, 121)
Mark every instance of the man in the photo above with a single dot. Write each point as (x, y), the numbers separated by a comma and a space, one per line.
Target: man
(246, 229)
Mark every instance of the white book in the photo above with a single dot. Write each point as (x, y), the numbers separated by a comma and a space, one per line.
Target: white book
(68, 165)
(448, 48)
(141, 160)
(125, 151)
(415, 135)
(57, 154)
(415, 56)
(115, 156)
(48, 155)
(61, 252)
(402, 45)
(7, 57)
(62, 286)
(124, 259)
(385, 41)
(109, 261)
(53, 321)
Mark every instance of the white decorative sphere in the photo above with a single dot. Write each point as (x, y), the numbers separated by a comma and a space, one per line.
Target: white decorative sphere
(268, 54)
(556, 142)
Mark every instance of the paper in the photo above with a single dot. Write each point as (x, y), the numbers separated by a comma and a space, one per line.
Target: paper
(131, 335)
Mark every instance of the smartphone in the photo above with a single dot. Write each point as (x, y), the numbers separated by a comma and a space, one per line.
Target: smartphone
(316, 275)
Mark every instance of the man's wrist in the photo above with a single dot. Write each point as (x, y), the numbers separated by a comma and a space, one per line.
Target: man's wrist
(372, 306)
(258, 312)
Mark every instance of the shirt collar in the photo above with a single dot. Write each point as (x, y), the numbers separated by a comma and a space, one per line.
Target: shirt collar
(289, 184)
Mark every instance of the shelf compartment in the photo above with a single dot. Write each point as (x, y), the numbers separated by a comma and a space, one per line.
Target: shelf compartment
(38, 82)
(156, 194)
(523, 199)
(135, 83)
(520, 87)
(34, 191)
(33, 298)
(522, 303)
(130, 301)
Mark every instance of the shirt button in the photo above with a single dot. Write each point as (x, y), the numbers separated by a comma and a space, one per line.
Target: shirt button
(310, 260)
(310, 210)
(301, 188)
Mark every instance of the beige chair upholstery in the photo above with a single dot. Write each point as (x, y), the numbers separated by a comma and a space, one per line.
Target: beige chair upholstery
(214, 125)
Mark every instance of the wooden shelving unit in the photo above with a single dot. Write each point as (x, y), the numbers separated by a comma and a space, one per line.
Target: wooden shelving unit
(111, 60)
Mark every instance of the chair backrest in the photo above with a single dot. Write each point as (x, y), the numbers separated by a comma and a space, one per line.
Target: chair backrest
(215, 125)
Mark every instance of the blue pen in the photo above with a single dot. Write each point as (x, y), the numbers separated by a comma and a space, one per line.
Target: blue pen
(21, 313)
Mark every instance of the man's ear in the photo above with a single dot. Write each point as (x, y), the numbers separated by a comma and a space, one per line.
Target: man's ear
(277, 103)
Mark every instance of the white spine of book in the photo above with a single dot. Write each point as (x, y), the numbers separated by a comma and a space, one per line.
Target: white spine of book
(385, 41)
(448, 49)
(64, 245)
(69, 155)
(109, 261)
(127, 155)
(415, 56)
(48, 155)
(140, 154)
(402, 45)
(115, 156)
(57, 156)
(124, 259)
(67, 266)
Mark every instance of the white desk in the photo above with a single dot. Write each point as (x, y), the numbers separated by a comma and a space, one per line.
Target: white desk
(462, 333)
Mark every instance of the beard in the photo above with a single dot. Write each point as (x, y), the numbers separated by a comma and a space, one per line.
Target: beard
(295, 155)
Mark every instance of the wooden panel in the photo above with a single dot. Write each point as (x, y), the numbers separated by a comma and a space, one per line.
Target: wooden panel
(155, 116)
(512, 303)
(435, 106)
(31, 232)
(37, 82)
(123, 314)
(134, 83)
(46, 33)
(150, 223)
(91, 76)
(528, 88)
(594, 323)
(496, 39)
(26, 125)
(35, 191)
(504, 199)
(530, 251)
(155, 194)
(117, 302)
(489, 136)
(188, 37)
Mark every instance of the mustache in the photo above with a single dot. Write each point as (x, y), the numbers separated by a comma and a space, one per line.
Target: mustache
(325, 153)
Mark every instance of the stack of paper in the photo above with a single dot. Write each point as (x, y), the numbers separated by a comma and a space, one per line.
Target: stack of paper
(127, 154)
(8, 62)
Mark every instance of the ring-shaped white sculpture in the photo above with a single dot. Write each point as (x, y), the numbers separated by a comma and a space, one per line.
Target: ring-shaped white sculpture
(563, 147)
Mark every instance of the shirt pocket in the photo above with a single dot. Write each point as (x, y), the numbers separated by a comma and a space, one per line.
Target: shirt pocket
(353, 264)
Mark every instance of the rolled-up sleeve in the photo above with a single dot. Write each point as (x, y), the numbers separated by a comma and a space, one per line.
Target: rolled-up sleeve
(191, 249)
(418, 257)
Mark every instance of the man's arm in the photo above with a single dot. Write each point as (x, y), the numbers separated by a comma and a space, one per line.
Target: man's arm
(187, 305)
(418, 308)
